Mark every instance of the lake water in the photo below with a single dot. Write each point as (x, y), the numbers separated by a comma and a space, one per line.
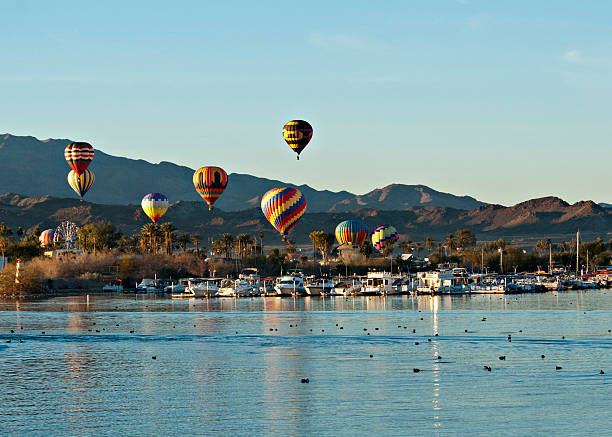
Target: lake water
(230, 367)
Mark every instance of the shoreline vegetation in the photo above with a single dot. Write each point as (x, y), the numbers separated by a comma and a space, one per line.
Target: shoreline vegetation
(162, 251)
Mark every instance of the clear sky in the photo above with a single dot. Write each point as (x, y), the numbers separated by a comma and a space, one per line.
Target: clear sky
(500, 100)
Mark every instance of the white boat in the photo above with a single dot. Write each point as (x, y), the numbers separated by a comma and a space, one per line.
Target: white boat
(112, 285)
(235, 288)
(182, 293)
(290, 286)
(440, 282)
(177, 287)
(204, 287)
(378, 283)
(318, 287)
(148, 285)
(251, 276)
(347, 287)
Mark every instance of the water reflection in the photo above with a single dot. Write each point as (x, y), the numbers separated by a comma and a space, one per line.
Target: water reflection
(233, 366)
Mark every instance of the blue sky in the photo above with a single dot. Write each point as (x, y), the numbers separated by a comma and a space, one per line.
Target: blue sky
(504, 101)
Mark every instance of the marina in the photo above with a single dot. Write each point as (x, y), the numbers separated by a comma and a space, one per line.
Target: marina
(437, 282)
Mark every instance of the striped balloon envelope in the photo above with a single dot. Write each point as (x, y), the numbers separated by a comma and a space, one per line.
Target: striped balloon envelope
(81, 183)
(297, 134)
(384, 237)
(46, 237)
(283, 207)
(155, 206)
(353, 232)
(78, 156)
(210, 183)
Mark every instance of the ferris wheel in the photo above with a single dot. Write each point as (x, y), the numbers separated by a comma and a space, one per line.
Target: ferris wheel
(67, 233)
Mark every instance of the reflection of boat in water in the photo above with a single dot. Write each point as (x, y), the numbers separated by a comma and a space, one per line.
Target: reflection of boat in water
(290, 286)
(112, 285)
(318, 287)
(204, 287)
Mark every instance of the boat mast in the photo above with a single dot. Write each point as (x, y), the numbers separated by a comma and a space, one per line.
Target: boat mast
(577, 251)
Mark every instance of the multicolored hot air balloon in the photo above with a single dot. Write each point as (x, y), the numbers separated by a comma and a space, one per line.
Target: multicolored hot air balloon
(297, 133)
(283, 208)
(154, 205)
(352, 232)
(384, 237)
(46, 237)
(81, 183)
(78, 156)
(210, 183)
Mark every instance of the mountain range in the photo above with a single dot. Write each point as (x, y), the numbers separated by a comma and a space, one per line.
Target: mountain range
(524, 223)
(35, 169)
(121, 181)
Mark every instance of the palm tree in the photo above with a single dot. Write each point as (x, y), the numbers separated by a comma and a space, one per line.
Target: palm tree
(167, 229)
(195, 239)
(429, 244)
(243, 240)
(227, 241)
(148, 234)
(183, 240)
(261, 241)
(450, 243)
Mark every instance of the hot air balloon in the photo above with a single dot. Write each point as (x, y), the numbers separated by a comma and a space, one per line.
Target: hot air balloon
(283, 208)
(297, 133)
(384, 237)
(46, 237)
(81, 183)
(210, 183)
(78, 156)
(352, 232)
(154, 205)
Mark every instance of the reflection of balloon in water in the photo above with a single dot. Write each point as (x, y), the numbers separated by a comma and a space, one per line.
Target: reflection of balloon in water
(81, 183)
(297, 134)
(210, 183)
(78, 156)
(352, 232)
(46, 238)
(154, 205)
(384, 237)
(283, 208)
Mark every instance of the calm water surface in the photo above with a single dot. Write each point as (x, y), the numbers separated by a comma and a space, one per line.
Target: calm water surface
(228, 367)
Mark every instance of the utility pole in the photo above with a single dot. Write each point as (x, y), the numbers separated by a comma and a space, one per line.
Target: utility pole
(501, 260)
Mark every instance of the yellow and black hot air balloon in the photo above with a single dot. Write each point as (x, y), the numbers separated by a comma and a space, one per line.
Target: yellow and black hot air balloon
(210, 183)
(297, 134)
(81, 183)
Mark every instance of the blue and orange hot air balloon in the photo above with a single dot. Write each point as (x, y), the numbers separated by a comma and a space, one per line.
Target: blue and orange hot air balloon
(283, 207)
(154, 205)
(81, 183)
(79, 155)
(384, 238)
(297, 134)
(210, 183)
(352, 232)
